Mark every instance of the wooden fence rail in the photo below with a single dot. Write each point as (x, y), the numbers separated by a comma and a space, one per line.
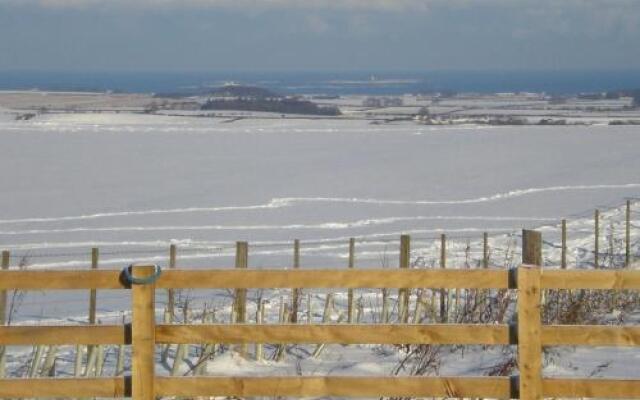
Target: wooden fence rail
(143, 334)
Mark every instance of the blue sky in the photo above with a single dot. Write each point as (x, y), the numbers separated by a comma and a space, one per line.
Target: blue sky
(319, 34)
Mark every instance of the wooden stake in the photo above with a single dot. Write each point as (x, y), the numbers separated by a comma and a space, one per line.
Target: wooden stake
(260, 321)
(352, 244)
(242, 257)
(531, 247)
(143, 335)
(485, 250)
(384, 317)
(596, 252)
(99, 359)
(3, 313)
(34, 369)
(177, 359)
(326, 317)
(404, 293)
(171, 301)
(444, 317)
(485, 293)
(93, 297)
(295, 293)
(563, 260)
(120, 362)
(627, 237)
(208, 349)
(170, 312)
(77, 366)
(242, 262)
(93, 293)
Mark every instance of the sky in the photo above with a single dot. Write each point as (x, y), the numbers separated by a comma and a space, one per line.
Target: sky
(194, 35)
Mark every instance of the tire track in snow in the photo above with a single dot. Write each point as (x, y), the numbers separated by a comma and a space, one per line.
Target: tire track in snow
(284, 202)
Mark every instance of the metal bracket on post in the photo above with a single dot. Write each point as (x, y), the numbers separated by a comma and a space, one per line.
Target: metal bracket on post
(131, 280)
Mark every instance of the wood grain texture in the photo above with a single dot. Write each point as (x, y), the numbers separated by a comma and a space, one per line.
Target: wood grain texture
(331, 278)
(62, 335)
(143, 335)
(48, 279)
(62, 387)
(531, 247)
(591, 388)
(529, 333)
(589, 335)
(590, 279)
(338, 334)
(335, 386)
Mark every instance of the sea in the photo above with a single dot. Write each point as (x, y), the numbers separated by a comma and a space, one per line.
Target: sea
(331, 83)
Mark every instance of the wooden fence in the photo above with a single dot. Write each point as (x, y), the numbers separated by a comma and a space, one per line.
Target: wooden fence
(529, 334)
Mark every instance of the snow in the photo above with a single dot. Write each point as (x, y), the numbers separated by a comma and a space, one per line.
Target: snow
(133, 184)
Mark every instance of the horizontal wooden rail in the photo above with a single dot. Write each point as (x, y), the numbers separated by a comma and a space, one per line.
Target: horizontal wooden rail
(497, 387)
(335, 334)
(195, 279)
(590, 388)
(63, 335)
(590, 335)
(331, 278)
(63, 387)
(47, 279)
(590, 279)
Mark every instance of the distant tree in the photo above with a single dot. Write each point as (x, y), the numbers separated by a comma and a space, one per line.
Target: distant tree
(636, 97)
(424, 112)
(612, 95)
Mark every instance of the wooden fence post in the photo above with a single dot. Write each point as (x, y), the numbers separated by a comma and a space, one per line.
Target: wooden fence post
(93, 301)
(563, 261)
(170, 313)
(485, 250)
(259, 347)
(531, 247)
(295, 293)
(240, 309)
(93, 294)
(171, 300)
(444, 316)
(143, 335)
(627, 237)
(3, 312)
(352, 244)
(404, 293)
(596, 250)
(529, 317)
(486, 293)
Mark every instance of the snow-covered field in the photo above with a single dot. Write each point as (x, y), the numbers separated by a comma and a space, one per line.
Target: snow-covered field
(134, 184)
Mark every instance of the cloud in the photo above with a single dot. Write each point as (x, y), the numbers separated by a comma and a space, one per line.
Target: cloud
(317, 24)
(376, 5)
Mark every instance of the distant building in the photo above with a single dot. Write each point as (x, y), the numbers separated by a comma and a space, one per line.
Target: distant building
(372, 102)
(392, 102)
(377, 102)
(186, 105)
